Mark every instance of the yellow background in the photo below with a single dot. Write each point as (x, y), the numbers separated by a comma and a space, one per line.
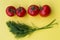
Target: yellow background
(47, 34)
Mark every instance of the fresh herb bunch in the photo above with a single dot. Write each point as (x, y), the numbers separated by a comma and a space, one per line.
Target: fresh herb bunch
(19, 29)
(22, 30)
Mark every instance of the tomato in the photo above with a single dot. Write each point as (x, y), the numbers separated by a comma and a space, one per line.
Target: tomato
(10, 11)
(45, 11)
(33, 10)
(20, 12)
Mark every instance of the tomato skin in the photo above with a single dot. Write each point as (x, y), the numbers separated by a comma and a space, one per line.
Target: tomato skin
(33, 10)
(20, 12)
(10, 11)
(45, 11)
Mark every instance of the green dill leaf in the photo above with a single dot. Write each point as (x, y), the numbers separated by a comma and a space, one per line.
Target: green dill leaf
(22, 30)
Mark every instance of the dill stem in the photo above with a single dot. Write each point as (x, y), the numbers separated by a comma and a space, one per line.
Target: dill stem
(48, 26)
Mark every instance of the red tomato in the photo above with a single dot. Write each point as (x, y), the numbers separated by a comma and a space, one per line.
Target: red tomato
(10, 11)
(20, 12)
(45, 11)
(33, 10)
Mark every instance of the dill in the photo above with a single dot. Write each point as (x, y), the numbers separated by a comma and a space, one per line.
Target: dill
(22, 30)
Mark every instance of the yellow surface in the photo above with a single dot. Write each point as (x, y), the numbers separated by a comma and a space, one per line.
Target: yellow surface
(49, 34)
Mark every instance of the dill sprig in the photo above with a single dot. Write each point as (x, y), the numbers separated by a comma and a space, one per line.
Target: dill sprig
(19, 29)
(22, 30)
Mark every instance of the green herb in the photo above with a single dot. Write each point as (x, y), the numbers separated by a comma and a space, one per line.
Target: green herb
(22, 30)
